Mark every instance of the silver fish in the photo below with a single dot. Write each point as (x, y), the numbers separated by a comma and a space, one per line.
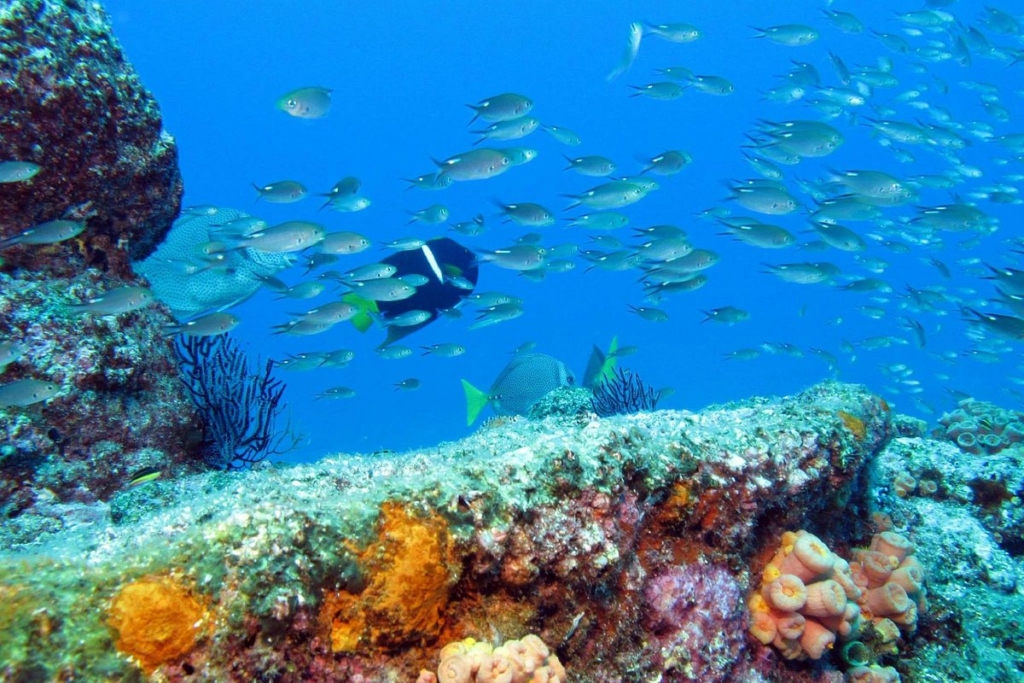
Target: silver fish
(594, 166)
(504, 107)
(281, 192)
(208, 325)
(636, 34)
(116, 301)
(49, 232)
(344, 242)
(10, 352)
(311, 102)
(285, 237)
(25, 392)
(18, 171)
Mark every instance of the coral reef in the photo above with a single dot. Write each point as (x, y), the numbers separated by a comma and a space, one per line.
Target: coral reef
(120, 406)
(623, 393)
(526, 660)
(697, 623)
(624, 543)
(239, 408)
(70, 102)
(410, 570)
(810, 598)
(980, 427)
(968, 534)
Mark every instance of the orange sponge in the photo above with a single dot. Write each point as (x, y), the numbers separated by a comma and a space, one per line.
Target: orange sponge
(410, 569)
(157, 619)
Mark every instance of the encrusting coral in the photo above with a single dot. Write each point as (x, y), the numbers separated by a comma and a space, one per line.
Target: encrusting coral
(809, 596)
(526, 660)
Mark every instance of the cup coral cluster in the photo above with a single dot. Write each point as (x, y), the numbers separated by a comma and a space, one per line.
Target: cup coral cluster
(980, 427)
(158, 620)
(809, 597)
(526, 660)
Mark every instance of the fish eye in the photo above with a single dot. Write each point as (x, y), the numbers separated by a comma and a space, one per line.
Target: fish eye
(293, 103)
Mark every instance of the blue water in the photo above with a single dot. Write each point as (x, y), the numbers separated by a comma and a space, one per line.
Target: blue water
(402, 73)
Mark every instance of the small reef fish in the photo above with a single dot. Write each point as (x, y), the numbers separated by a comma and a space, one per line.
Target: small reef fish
(790, 35)
(144, 476)
(636, 34)
(26, 392)
(435, 214)
(527, 378)
(343, 242)
(563, 135)
(284, 238)
(10, 352)
(347, 204)
(312, 102)
(503, 107)
(116, 301)
(443, 350)
(18, 171)
(593, 166)
(281, 192)
(49, 232)
(476, 164)
(336, 392)
(726, 315)
(410, 384)
(674, 33)
(209, 325)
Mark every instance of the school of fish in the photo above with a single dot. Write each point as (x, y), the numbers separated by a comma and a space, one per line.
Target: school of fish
(799, 211)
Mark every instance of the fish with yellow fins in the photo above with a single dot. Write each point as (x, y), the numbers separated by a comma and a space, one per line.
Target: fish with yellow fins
(529, 377)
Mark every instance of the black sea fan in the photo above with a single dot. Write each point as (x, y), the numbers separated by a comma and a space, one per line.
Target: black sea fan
(623, 393)
(239, 408)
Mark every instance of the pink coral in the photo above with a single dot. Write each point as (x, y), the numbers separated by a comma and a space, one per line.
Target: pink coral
(809, 597)
(695, 616)
(527, 660)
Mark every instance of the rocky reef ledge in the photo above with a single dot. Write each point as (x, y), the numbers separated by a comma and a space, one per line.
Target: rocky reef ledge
(629, 545)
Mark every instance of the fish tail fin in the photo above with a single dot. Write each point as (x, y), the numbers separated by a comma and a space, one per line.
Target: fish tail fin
(608, 368)
(362, 320)
(476, 400)
(600, 366)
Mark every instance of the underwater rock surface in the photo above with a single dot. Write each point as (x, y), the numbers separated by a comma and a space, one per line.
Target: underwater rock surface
(627, 544)
(71, 103)
(120, 405)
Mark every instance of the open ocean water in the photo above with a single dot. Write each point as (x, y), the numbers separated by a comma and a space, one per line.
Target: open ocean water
(931, 96)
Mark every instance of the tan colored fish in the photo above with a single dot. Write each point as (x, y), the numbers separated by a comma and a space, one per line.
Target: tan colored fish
(25, 392)
(18, 171)
(285, 237)
(281, 192)
(209, 325)
(10, 352)
(311, 102)
(116, 301)
(49, 232)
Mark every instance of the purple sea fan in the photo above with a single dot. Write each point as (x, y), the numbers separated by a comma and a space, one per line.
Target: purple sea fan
(697, 621)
